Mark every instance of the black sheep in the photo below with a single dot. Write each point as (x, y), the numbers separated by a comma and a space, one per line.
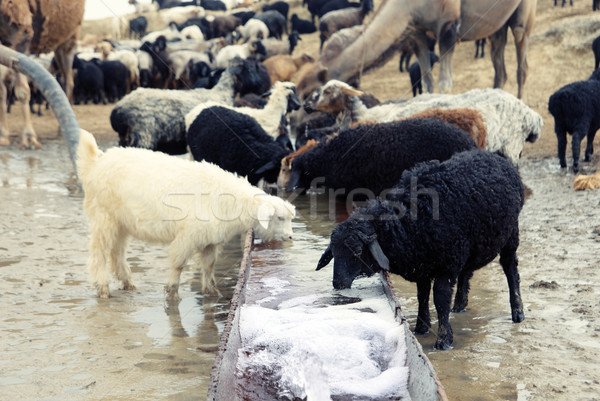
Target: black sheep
(415, 74)
(370, 158)
(198, 71)
(257, 80)
(244, 16)
(333, 5)
(88, 82)
(444, 221)
(213, 5)
(302, 26)
(137, 27)
(576, 110)
(116, 78)
(236, 143)
(276, 22)
(596, 50)
(160, 60)
(318, 125)
(280, 6)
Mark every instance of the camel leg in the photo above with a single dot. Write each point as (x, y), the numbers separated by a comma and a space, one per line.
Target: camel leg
(23, 95)
(447, 40)
(498, 43)
(4, 132)
(521, 44)
(521, 23)
(64, 55)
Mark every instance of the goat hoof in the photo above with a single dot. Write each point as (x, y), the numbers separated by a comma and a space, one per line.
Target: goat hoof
(420, 331)
(518, 316)
(459, 309)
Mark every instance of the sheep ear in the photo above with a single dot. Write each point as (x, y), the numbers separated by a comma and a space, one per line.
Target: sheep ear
(294, 179)
(270, 165)
(265, 214)
(379, 256)
(351, 92)
(325, 258)
(322, 75)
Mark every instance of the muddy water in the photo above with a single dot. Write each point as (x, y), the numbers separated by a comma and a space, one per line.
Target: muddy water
(59, 342)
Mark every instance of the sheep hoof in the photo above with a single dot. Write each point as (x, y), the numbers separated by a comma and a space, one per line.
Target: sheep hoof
(443, 345)
(128, 286)
(103, 291)
(459, 309)
(172, 293)
(421, 330)
(518, 316)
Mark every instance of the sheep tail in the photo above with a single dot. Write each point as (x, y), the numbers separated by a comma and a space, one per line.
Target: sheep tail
(87, 152)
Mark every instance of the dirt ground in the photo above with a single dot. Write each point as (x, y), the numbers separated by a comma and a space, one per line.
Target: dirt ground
(553, 354)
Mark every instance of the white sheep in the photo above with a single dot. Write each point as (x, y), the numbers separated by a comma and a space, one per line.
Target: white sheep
(130, 60)
(253, 29)
(192, 32)
(242, 51)
(194, 207)
(509, 122)
(179, 15)
(180, 59)
(168, 33)
(283, 98)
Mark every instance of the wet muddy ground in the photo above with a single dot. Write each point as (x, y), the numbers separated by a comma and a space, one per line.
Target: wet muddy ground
(58, 341)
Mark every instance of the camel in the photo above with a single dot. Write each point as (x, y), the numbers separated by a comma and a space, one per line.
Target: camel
(448, 21)
(38, 26)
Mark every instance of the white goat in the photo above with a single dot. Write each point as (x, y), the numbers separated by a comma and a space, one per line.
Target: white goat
(269, 117)
(509, 122)
(194, 207)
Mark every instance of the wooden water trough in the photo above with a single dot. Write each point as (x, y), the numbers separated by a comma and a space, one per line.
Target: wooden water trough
(423, 383)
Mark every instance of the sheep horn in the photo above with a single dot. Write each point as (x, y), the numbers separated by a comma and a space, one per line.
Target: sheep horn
(270, 165)
(325, 258)
(52, 92)
(294, 180)
(379, 256)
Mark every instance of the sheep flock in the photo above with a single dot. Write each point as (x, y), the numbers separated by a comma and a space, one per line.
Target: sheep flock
(219, 82)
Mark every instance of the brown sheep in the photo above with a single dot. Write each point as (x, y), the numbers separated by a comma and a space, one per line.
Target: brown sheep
(468, 120)
(283, 67)
(23, 30)
(333, 21)
(583, 182)
(286, 163)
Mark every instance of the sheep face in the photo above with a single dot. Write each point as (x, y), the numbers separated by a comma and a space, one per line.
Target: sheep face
(331, 98)
(293, 101)
(274, 219)
(356, 252)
